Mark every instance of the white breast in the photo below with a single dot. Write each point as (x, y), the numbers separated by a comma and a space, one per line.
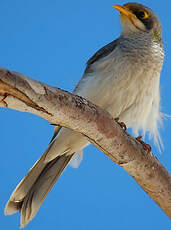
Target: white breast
(128, 89)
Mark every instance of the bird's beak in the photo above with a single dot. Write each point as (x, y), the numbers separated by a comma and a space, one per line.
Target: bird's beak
(126, 14)
(124, 11)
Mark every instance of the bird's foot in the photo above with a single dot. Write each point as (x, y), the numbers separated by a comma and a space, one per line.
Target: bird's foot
(122, 124)
(146, 146)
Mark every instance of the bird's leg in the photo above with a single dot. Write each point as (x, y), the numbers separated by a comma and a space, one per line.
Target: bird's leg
(146, 146)
(122, 124)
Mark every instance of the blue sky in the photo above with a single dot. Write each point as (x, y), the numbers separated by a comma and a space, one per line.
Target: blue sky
(51, 41)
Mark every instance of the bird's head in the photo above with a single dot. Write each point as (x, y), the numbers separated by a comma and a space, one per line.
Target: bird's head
(137, 17)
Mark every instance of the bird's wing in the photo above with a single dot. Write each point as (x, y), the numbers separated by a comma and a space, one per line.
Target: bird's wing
(101, 53)
(99, 56)
(65, 141)
(56, 131)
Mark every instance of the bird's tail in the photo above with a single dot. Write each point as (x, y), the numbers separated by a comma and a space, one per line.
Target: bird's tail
(34, 187)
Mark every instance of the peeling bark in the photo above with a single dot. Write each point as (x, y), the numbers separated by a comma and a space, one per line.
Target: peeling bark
(65, 109)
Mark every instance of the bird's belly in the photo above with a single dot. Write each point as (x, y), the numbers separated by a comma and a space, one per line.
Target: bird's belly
(136, 101)
(132, 95)
(134, 98)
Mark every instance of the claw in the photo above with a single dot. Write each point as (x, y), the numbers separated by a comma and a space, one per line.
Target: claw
(146, 146)
(122, 124)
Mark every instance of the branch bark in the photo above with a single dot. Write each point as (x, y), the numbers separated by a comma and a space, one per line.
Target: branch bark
(62, 108)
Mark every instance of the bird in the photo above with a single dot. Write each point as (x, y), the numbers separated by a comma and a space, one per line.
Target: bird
(123, 78)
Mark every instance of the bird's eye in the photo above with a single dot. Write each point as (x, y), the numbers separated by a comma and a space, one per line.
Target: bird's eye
(142, 15)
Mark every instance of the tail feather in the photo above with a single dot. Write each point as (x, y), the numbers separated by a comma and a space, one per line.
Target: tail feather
(33, 189)
(27, 182)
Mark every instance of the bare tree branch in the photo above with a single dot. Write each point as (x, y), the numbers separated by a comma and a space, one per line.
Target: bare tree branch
(60, 107)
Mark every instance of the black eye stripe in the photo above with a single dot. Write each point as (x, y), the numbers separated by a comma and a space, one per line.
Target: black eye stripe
(145, 15)
(141, 14)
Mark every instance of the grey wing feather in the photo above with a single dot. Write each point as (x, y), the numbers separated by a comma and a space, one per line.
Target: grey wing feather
(103, 52)
(100, 54)
(56, 131)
